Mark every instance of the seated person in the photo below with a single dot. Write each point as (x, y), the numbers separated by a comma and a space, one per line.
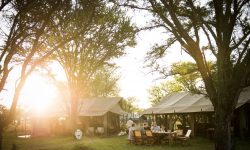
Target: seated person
(146, 127)
(156, 128)
(142, 129)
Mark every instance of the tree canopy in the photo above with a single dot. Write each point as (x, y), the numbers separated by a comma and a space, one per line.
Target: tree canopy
(157, 92)
(185, 77)
(104, 83)
(107, 32)
(25, 34)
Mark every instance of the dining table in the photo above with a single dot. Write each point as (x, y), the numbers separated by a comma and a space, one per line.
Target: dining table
(160, 135)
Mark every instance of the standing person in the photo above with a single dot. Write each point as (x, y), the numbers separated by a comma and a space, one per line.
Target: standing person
(131, 133)
(129, 123)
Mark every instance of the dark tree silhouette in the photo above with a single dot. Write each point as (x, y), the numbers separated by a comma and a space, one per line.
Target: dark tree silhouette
(224, 28)
(27, 37)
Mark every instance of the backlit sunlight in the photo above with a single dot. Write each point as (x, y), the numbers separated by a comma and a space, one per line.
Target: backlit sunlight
(38, 94)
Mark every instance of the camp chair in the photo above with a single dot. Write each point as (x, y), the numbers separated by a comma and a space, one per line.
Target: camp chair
(138, 137)
(179, 132)
(184, 139)
(149, 137)
(100, 130)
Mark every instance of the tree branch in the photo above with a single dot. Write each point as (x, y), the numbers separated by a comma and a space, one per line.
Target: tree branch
(3, 4)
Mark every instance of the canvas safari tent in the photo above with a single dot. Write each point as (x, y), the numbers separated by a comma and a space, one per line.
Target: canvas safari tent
(101, 113)
(196, 111)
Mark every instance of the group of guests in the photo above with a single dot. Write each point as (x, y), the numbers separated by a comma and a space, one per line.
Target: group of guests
(131, 127)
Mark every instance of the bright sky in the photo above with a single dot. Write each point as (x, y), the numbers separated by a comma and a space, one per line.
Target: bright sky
(135, 78)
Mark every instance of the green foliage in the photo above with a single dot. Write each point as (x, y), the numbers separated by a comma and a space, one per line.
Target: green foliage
(187, 74)
(33, 23)
(186, 77)
(158, 92)
(223, 28)
(106, 32)
(25, 28)
(128, 105)
(104, 83)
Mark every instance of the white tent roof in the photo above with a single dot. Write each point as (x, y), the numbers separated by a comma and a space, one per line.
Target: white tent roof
(87, 107)
(100, 106)
(244, 97)
(185, 102)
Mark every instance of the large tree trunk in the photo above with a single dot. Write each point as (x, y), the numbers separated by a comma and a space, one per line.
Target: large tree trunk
(15, 98)
(223, 140)
(1, 138)
(73, 116)
(74, 110)
(228, 91)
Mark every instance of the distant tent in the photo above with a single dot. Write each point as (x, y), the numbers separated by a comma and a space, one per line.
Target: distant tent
(196, 111)
(186, 102)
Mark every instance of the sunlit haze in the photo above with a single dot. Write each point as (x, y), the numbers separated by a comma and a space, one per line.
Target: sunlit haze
(38, 94)
(135, 79)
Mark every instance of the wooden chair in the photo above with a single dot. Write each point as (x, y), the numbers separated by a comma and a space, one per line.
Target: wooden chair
(184, 139)
(168, 138)
(149, 137)
(138, 137)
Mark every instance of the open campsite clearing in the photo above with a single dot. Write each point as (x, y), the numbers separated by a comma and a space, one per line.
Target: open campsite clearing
(105, 143)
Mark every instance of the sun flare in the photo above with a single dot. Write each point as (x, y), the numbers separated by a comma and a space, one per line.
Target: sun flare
(38, 94)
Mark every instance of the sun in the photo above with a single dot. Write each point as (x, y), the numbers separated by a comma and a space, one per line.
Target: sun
(38, 94)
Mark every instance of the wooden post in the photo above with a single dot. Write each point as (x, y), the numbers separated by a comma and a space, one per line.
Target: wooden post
(105, 124)
(192, 122)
